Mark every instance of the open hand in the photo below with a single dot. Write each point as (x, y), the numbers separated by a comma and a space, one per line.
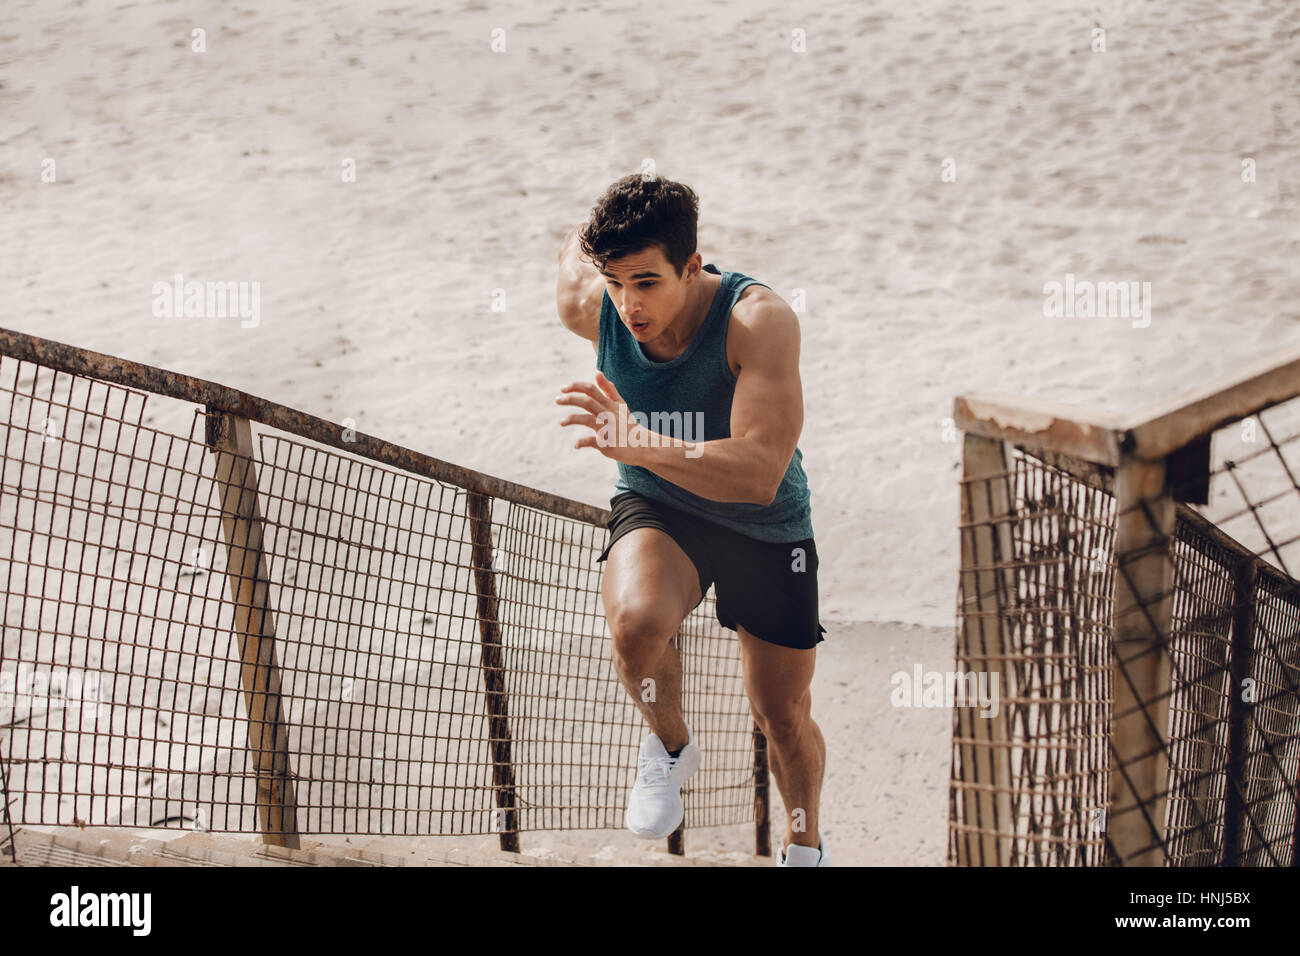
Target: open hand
(616, 434)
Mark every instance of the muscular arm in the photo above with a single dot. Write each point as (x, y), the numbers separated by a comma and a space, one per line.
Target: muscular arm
(766, 415)
(579, 290)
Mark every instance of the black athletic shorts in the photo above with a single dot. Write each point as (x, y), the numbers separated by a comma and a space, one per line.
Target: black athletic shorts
(770, 588)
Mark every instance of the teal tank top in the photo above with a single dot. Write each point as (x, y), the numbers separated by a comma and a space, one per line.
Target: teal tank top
(698, 386)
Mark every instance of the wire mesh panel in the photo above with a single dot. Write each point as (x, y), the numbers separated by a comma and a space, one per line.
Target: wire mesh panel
(722, 790)
(105, 588)
(1202, 650)
(1232, 644)
(1271, 774)
(1049, 619)
(182, 610)
(377, 633)
(1209, 580)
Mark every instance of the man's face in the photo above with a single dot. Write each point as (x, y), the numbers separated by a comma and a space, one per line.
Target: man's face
(646, 290)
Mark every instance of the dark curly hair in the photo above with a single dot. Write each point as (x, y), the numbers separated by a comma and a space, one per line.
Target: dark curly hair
(635, 213)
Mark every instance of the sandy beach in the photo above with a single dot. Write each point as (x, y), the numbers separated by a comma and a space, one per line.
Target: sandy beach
(914, 176)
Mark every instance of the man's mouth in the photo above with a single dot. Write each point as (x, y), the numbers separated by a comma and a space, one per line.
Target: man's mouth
(640, 326)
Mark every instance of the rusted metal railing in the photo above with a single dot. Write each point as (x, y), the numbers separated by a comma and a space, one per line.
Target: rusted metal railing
(276, 623)
(1131, 581)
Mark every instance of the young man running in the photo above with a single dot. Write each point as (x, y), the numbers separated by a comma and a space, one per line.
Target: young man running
(725, 503)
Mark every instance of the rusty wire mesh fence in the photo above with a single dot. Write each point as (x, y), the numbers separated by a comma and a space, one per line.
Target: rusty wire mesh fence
(1043, 632)
(1179, 717)
(289, 637)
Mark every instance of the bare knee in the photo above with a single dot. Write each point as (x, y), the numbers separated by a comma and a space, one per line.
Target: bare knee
(783, 721)
(640, 633)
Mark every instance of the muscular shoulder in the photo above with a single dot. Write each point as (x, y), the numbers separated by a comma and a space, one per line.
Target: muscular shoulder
(762, 327)
(579, 290)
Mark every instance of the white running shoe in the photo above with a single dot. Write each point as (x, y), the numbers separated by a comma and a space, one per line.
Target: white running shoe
(655, 808)
(805, 855)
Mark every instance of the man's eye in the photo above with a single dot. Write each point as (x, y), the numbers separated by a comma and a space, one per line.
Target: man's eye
(646, 285)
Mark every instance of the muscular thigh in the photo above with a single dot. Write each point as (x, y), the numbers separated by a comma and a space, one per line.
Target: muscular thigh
(777, 679)
(649, 582)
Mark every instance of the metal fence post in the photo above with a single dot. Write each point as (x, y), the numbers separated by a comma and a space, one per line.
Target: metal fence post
(230, 438)
(762, 794)
(983, 643)
(494, 675)
(1139, 730)
(1243, 629)
(677, 840)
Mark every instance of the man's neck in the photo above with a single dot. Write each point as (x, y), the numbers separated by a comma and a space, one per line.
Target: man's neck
(698, 309)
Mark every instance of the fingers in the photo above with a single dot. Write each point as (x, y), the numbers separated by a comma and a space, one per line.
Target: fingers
(588, 440)
(584, 395)
(607, 386)
(593, 398)
(582, 401)
(602, 386)
(589, 420)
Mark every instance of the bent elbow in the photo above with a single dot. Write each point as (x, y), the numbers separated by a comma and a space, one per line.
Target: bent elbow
(768, 494)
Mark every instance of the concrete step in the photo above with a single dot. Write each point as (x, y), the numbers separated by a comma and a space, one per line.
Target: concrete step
(96, 846)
